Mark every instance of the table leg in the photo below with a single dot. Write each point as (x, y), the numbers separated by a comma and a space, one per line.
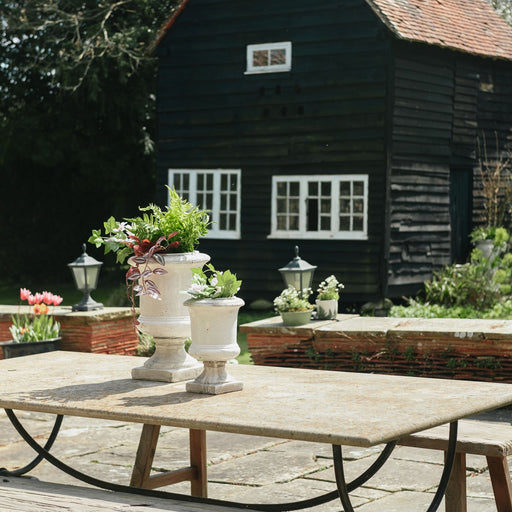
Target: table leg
(500, 479)
(198, 460)
(455, 497)
(196, 473)
(31, 465)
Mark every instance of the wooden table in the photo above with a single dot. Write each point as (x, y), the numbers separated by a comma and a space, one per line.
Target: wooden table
(310, 405)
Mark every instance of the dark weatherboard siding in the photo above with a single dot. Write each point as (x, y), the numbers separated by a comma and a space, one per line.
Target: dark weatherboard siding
(326, 116)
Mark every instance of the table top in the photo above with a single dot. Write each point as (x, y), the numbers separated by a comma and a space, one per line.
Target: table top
(310, 405)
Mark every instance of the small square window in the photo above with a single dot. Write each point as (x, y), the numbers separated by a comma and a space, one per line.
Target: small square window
(269, 57)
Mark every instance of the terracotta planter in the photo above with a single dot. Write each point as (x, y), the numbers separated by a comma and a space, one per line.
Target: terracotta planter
(326, 309)
(292, 318)
(214, 341)
(11, 349)
(168, 321)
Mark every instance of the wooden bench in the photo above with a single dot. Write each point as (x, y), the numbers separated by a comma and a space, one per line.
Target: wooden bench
(29, 495)
(476, 437)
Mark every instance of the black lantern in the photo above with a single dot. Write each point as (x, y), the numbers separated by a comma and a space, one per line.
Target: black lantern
(298, 273)
(86, 271)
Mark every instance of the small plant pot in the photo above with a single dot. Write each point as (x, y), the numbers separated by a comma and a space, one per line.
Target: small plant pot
(11, 349)
(296, 317)
(326, 309)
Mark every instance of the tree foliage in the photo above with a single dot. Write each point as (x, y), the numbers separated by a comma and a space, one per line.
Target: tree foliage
(504, 8)
(76, 122)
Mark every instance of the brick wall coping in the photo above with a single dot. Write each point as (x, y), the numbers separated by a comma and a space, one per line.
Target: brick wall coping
(71, 317)
(386, 327)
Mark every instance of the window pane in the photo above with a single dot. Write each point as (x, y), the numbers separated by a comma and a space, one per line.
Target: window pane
(358, 205)
(325, 206)
(344, 223)
(326, 188)
(232, 221)
(325, 223)
(344, 188)
(281, 189)
(233, 183)
(294, 205)
(223, 202)
(294, 223)
(358, 188)
(209, 181)
(260, 58)
(277, 56)
(281, 206)
(294, 188)
(281, 222)
(223, 221)
(312, 188)
(200, 181)
(345, 205)
(232, 202)
(358, 224)
(223, 182)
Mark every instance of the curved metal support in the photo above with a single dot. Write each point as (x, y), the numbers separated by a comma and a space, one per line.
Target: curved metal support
(345, 488)
(39, 458)
(342, 492)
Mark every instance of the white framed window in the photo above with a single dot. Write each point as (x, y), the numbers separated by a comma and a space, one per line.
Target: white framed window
(216, 190)
(269, 57)
(320, 207)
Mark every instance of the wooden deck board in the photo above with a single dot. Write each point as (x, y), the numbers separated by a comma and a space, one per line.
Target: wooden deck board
(29, 495)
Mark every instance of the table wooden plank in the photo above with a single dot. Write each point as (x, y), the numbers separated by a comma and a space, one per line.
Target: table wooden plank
(309, 405)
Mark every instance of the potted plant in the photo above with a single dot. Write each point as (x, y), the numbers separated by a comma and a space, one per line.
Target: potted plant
(160, 247)
(490, 240)
(213, 311)
(294, 306)
(328, 297)
(36, 332)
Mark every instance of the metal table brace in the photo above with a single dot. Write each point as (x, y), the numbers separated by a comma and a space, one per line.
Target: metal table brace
(343, 488)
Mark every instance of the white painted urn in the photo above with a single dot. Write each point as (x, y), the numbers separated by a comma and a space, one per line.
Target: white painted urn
(168, 322)
(214, 341)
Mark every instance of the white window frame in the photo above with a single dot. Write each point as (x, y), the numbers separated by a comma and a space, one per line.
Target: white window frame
(214, 231)
(334, 233)
(271, 68)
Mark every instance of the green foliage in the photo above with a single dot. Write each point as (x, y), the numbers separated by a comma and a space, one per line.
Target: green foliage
(77, 109)
(37, 328)
(291, 299)
(213, 284)
(329, 289)
(175, 229)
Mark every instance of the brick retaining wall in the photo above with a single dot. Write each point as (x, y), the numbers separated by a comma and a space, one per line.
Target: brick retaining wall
(447, 348)
(107, 331)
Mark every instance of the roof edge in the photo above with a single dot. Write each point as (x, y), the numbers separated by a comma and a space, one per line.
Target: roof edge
(165, 27)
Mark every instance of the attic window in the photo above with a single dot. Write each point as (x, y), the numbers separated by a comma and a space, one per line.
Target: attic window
(269, 57)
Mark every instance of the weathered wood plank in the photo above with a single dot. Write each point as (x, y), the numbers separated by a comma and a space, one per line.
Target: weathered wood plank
(30, 495)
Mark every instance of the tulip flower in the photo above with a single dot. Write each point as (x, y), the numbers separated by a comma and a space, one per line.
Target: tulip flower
(31, 300)
(39, 298)
(24, 293)
(57, 299)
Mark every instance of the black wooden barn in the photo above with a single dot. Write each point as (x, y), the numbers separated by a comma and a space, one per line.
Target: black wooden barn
(347, 127)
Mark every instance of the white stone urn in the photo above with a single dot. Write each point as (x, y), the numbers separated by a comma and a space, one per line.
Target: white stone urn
(168, 321)
(326, 309)
(214, 341)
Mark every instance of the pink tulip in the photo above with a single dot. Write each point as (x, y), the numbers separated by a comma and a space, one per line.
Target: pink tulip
(39, 297)
(47, 298)
(57, 299)
(31, 299)
(24, 293)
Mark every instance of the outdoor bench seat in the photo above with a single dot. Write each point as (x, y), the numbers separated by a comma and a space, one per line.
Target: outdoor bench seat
(22, 494)
(475, 437)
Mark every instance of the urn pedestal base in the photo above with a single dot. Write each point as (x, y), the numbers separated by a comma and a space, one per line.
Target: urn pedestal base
(166, 374)
(214, 380)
